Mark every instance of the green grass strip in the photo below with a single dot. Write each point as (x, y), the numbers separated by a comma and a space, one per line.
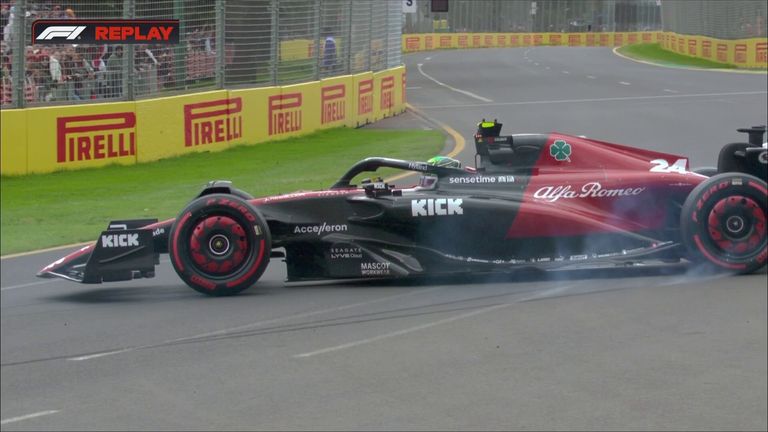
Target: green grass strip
(656, 54)
(47, 210)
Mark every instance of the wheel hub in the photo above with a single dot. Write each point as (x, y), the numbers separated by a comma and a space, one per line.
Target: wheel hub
(218, 245)
(737, 225)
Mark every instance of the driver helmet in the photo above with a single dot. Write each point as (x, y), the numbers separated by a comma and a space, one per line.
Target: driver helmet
(445, 161)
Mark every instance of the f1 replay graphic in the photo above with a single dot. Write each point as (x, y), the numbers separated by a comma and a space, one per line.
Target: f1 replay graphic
(545, 201)
(129, 31)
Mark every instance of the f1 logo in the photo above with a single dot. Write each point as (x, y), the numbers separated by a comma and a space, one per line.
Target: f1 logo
(67, 32)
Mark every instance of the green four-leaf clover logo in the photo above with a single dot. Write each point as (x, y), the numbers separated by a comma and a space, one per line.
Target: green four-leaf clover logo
(560, 150)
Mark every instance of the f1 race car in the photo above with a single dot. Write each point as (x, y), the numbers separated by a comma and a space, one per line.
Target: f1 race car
(547, 201)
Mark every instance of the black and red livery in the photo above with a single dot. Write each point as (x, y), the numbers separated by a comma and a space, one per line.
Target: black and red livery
(548, 201)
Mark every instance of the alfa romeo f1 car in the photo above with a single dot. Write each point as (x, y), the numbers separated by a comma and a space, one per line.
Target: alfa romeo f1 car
(547, 201)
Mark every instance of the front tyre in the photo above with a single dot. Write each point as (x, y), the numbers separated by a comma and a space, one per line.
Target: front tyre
(723, 222)
(219, 245)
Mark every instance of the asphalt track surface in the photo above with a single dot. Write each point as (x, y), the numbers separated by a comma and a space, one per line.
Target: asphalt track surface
(673, 349)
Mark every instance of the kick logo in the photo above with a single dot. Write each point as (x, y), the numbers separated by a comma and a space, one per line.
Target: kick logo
(437, 207)
(119, 240)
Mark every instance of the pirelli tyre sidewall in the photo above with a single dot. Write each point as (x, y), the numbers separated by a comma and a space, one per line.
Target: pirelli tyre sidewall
(219, 244)
(723, 223)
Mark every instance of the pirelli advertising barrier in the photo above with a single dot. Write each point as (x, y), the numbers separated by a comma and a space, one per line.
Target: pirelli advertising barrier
(41, 140)
(431, 41)
(743, 53)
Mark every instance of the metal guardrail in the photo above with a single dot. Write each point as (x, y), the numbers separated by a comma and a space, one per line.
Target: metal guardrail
(560, 16)
(722, 19)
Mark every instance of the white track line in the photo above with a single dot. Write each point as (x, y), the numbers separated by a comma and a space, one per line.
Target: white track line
(12, 287)
(101, 354)
(671, 91)
(566, 72)
(402, 332)
(628, 98)
(28, 416)
(255, 325)
(591, 77)
(624, 83)
(464, 92)
(413, 88)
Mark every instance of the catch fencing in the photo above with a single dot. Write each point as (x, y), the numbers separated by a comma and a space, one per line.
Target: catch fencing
(223, 44)
(721, 19)
(540, 16)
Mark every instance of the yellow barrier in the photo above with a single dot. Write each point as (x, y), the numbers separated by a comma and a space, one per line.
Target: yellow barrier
(296, 111)
(430, 41)
(172, 126)
(297, 49)
(303, 49)
(400, 93)
(745, 53)
(384, 86)
(337, 100)
(80, 136)
(256, 112)
(40, 140)
(13, 141)
(365, 96)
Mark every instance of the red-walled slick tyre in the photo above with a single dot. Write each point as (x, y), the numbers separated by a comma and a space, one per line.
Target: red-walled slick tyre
(723, 222)
(219, 245)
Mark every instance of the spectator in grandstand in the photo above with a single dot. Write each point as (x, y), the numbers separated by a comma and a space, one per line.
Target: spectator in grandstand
(195, 40)
(78, 76)
(8, 33)
(115, 73)
(69, 14)
(207, 37)
(164, 69)
(5, 60)
(330, 60)
(97, 64)
(56, 76)
(4, 12)
(38, 72)
(57, 13)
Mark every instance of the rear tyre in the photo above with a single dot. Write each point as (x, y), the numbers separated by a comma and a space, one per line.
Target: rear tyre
(219, 245)
(723, 223)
